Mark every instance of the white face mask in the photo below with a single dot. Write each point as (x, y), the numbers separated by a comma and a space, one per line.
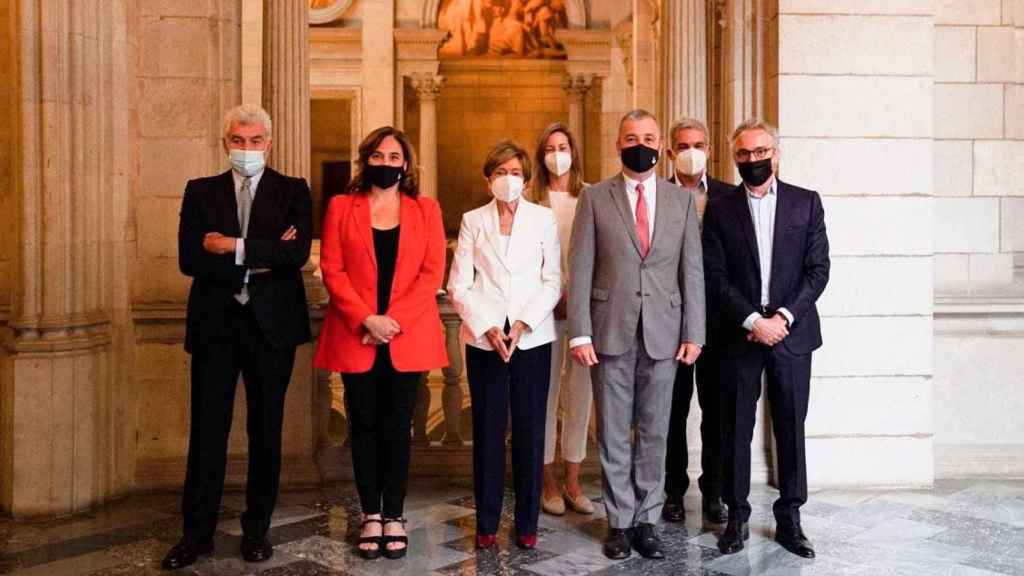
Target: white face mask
(558, 162)
(507, 188)
(248, 163)
(691, 161)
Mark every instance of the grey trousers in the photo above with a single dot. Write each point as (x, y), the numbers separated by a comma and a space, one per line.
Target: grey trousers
(633, 391)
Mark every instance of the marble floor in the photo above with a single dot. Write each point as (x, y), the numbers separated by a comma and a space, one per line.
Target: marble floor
(959, 528)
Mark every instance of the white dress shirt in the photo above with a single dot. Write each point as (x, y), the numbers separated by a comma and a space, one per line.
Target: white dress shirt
(762, 213)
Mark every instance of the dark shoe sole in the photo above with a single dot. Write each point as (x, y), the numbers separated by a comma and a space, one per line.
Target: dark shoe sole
(806, 553)
(618, 556)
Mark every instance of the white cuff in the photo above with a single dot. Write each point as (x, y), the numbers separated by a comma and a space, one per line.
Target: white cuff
(749, 322)
(580, 341)
(789, 316)
(239, 251)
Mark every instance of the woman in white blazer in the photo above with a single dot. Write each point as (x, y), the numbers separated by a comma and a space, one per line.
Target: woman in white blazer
(557, 184)
(505, 281)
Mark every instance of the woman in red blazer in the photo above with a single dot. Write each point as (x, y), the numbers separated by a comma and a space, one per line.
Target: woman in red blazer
(382, 257)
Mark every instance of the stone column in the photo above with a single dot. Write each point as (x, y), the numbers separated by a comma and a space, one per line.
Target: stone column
(61, 447)
(427, 87)
(451, 396)
(286, 83)
(684, 71)
(577, 86)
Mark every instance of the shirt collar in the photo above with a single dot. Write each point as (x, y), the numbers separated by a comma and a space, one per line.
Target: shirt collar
(650, 183)
(254, 181)
(771, 189)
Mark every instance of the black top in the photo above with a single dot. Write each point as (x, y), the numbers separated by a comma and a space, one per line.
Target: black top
(385, 244)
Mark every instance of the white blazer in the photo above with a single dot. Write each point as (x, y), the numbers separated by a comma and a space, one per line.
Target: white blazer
(486, 286)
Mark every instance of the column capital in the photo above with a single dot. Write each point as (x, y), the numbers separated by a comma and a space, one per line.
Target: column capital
(427, 86)
(577, 84)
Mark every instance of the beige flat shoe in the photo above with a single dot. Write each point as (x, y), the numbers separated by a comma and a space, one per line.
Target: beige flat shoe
(554, 506)
(581, 504)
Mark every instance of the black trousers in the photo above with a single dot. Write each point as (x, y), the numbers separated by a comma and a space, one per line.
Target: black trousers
(709, 395)
(493, 386)
(266, 371)
(789, 383)
(380, 404)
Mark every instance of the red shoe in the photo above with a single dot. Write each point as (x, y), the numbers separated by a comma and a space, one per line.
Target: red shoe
(486, 541)
(527, 541)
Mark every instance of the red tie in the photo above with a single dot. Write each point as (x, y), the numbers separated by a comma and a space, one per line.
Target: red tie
(642, 228)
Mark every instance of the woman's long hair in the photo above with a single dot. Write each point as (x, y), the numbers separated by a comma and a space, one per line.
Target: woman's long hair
(408, 185)
(539, 190)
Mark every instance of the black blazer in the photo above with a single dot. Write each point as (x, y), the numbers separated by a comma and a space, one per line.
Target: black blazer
(800, 265)
(716, 188)
(278, 297)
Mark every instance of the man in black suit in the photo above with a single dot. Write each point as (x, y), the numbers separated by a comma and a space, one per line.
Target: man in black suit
(243, 237)
(766, 263)
(689, 151)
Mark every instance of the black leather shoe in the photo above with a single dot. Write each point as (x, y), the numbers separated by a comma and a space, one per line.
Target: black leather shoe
(673, 510)
(185, 553)
(256, 549)
(714, 511)
(732, 539)
(792, 538)
(616, 544)
(647, 542)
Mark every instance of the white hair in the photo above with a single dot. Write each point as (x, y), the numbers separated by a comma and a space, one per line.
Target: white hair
(688, 124)
(756, 124)
(247, 114)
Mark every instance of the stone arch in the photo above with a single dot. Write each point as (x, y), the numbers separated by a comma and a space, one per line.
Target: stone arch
(575, 10)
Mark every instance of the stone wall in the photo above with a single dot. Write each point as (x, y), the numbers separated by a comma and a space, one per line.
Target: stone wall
(8, 135)
(979, 232)
(853, 90)
(979, 146)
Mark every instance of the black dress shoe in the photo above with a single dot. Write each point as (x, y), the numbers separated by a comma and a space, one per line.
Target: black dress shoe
(256, 549)
(647, 542)
(792, 538)
(732, 539)
(714, 511)
(185, 553)
(673, 510)
(616, 544)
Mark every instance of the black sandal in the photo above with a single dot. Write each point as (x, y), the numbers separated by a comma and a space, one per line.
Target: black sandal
(396, 553)
(370, 553)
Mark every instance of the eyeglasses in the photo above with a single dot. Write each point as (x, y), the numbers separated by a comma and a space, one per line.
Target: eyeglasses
(743, 155)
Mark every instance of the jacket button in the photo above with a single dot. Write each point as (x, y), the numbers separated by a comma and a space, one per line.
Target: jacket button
(638, 293)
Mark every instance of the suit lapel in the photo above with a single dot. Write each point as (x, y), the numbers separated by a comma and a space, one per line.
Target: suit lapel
(408, 230)
(493, 232)
(264, 201)
(229, 205)
(782, 209)
(621, 201)
(361, 216)
(665, 202)
(742, 210)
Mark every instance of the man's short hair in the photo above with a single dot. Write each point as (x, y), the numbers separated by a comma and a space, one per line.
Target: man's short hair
(636, 115)
(688, 124)
(247, 114)
(756, 124)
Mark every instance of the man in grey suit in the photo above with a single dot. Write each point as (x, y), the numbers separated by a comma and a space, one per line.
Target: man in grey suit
(636, 309)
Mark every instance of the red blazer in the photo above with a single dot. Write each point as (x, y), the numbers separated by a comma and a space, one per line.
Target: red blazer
(349, 266)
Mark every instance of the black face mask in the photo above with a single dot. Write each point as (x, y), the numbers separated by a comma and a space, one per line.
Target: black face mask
(755, 173)
(639, 158)
(384, 176)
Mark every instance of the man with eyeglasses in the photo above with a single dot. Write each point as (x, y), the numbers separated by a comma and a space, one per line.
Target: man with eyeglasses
(766, 263)
(689, 151)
